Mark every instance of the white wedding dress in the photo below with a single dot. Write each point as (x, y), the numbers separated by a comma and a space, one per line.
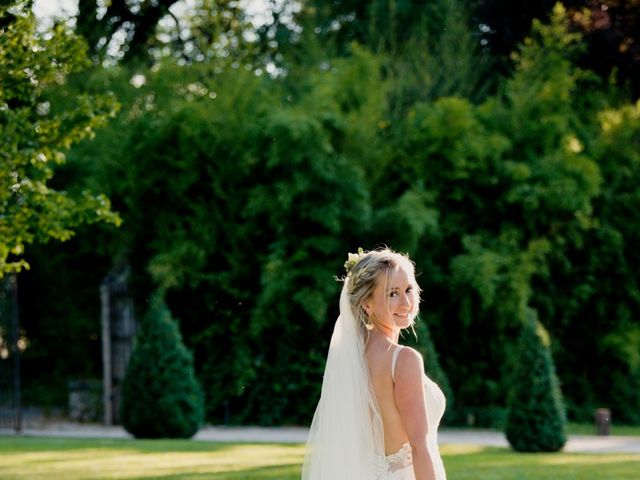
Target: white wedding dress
(398, 465)
(346, 438)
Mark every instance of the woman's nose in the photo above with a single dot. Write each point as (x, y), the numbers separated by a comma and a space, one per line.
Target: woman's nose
(406, 299)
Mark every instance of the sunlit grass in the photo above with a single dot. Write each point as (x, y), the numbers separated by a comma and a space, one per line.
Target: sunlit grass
(504, 464)
(53, 458)
(39, 458)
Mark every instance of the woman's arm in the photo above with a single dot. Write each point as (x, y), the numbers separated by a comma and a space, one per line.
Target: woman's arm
(409, 396)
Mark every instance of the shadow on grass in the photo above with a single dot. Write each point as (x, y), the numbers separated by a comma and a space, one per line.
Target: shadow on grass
(15, 444)
(18, 443)
(280, 472)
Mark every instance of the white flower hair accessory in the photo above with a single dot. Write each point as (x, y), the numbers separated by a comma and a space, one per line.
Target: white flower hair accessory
(352, 260)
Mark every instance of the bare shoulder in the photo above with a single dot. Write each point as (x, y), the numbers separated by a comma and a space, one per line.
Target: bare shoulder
(409, 365)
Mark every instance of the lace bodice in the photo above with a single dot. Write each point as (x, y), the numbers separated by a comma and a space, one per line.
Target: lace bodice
(399, 460)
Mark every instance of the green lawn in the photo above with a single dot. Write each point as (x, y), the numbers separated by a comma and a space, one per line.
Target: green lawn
(40, 459)
(581, 429)
(590, 429)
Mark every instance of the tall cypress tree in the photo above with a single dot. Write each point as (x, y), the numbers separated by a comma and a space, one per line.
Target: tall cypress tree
(161, 397)
(536, 419)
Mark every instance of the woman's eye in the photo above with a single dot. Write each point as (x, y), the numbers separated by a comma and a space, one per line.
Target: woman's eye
(393, 294)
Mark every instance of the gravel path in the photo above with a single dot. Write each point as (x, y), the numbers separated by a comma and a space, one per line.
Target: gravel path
(576, 443)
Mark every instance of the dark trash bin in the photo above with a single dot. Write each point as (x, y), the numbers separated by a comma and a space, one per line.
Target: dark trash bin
(603, 421)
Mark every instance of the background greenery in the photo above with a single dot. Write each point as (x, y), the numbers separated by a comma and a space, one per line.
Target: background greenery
(500, 150)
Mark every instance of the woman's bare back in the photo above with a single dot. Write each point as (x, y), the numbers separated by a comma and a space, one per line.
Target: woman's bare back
(379, 353)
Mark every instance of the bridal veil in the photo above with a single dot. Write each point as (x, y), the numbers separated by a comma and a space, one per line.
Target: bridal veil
(346, 440)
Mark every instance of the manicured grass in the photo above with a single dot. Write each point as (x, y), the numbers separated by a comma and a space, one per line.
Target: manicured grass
(44, 458)
(590, 429)
(580, 429)
(480, 463)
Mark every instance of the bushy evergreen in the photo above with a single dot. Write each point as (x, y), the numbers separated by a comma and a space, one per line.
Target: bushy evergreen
(161, 397)
(536, 419)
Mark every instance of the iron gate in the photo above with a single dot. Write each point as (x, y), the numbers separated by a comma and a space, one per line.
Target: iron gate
(10, 348)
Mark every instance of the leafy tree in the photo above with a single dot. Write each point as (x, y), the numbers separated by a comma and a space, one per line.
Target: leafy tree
(34, 135)
(321, 205)
(161, 397)
(536, 418)
(596, 282)
(135, 20)
(214, 32)
(508, 179)
(195, 160)
(239, 178)
(259, 183)
(429, 48)
(379, 24)
(617, 257)
(144, 31)
(611, 30)
(609, 27)
(502, 26)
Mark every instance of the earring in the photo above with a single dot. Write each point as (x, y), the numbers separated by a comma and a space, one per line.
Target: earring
(368, 324)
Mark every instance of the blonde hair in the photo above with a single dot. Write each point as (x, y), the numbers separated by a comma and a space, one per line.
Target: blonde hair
(362, 280)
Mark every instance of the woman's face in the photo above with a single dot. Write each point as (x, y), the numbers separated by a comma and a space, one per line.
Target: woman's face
(393, 299)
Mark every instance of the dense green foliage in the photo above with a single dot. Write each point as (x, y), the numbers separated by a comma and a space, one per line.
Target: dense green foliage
(161, 397)
(413, 29)
(536, 418)
(229, 251)
(35, 134)
(242, 192)
(600, 275)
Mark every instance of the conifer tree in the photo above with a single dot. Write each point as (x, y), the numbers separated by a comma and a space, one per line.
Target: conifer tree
(536, 418)
(161, 397)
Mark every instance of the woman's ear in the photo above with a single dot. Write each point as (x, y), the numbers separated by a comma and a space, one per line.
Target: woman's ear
(367, 308)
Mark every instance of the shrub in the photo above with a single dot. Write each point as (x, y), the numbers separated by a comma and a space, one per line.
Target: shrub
(536, 418)
(161, 397)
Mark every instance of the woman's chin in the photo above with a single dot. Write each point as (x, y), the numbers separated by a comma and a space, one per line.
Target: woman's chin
(402, 323)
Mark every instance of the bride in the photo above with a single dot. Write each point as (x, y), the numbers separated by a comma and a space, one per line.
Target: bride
(378, 413)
